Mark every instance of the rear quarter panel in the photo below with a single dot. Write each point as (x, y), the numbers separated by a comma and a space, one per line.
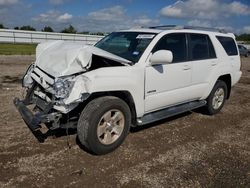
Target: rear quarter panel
(226, 65)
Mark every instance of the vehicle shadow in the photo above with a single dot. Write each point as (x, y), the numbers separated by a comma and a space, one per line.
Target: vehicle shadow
(84, 148)
(11, 79)
(41, 137)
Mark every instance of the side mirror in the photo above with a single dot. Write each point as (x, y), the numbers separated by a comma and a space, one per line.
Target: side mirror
(161, 57)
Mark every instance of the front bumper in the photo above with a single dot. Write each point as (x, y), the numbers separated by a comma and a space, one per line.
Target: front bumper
(33, 121)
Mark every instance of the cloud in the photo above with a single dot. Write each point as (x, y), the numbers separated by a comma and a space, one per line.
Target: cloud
(8, 2)
(246, 29)
(64, 17)
(239, 8)
(145, 21)
(53, 16)
(205, 9)
(14, 13)
(112, 19)
(204, 13)
(200, 23)
(211, 24)
(57, 2)
(108, 14)
(107, 19)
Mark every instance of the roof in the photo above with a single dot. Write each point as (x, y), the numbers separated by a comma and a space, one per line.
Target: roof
(144, 30)
(162, 28)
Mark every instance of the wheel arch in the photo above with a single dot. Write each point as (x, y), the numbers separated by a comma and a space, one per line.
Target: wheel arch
(228, 80)
(123, 95)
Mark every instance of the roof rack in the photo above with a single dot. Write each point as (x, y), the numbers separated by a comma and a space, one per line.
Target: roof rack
(166, 27)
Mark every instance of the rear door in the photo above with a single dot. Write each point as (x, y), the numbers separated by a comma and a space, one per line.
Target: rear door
(203, 57)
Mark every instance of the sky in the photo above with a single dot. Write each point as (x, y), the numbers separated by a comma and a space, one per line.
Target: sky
(113, 15)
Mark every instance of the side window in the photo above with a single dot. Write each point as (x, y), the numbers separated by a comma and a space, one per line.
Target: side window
(228, 45)
(176, 43)
(200, 47)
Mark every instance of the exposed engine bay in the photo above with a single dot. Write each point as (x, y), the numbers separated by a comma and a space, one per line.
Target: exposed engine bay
(99, 62)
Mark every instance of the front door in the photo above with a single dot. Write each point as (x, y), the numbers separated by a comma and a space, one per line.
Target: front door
(168, 84)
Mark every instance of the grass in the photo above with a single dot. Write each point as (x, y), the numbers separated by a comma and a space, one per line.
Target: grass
(17, 49)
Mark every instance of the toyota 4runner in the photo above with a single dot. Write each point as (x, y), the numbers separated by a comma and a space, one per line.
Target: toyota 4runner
(129, 78)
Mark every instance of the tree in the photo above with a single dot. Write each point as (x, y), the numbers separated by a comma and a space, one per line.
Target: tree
(98, 33)
(69, 29)
(47, 29)
(243, 37)
(27, 28)
(16, 28)
(2, 26)
(84, 32)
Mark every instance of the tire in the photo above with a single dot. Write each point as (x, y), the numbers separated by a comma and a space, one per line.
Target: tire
(104, 124)
(217, 98)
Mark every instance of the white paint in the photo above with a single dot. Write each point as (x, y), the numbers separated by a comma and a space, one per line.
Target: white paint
(152, 87)
(166, 85)
(161, 57)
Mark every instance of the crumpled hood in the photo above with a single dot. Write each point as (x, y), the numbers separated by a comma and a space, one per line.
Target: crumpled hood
(60, 58)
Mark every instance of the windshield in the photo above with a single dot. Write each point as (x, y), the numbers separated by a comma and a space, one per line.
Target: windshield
(128, 45)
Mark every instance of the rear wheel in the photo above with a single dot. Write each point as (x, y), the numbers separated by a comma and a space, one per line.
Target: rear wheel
(217, 98)
(104, 124)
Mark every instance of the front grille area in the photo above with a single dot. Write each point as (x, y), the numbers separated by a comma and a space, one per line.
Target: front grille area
(43, 105)
(43, 79)
(42, 99)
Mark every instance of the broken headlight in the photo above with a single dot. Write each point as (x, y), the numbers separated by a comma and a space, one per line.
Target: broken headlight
(62, 88)
(27, 80)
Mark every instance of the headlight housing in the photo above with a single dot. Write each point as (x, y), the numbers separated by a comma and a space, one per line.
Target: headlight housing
(62, 88)
(27, 81)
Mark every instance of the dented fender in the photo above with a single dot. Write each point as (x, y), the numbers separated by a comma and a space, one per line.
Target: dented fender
(80, 87)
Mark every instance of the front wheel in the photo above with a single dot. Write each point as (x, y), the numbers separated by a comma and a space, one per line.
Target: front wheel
(217, 98)
(104, 124)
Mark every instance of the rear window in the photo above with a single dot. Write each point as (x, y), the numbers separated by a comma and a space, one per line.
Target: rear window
(228, 45)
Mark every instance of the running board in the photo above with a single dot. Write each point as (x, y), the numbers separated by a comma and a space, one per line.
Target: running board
(171, 111)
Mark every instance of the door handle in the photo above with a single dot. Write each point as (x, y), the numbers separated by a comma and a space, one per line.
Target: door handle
(186, 67)
(214, 63)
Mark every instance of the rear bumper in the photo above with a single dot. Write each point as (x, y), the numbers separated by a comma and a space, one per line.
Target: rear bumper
(33, 121)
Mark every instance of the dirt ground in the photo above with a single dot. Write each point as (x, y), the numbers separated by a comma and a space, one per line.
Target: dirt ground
(190, 150)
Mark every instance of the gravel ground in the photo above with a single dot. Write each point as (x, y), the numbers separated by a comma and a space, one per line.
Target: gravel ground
(189, 150)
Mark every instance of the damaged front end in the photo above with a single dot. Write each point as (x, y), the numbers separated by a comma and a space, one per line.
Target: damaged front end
(56, 83)
(49, 100)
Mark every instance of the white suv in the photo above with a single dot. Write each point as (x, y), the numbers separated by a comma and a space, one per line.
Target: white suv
(129, 78)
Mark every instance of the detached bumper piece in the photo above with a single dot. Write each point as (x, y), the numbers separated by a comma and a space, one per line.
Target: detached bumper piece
(33, 121)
